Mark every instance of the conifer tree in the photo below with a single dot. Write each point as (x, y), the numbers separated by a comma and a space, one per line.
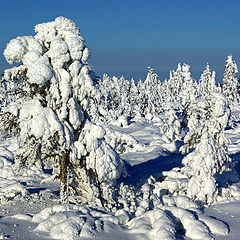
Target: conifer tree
(208, 168)
(230, 81)
(175, 86)
(207, 83)
(189, 90)
(133, 98)
(152, 85)
(54, 111)
(142, 96)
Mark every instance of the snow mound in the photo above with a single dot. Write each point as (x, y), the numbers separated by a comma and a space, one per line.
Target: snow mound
(155, 223)
(120, 141)
(74, 222)
(10, 186)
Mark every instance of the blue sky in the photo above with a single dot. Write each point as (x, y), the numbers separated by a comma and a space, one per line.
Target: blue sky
(127, 36)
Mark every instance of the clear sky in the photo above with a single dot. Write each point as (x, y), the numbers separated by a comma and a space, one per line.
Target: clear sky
(126, 36)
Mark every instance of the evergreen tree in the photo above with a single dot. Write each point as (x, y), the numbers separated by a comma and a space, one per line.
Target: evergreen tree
(142, 96)
(152, 85)
(175, 86)
(133, 98)
(230, 81)
(207, 83)
(208, 168)
(54, 109)
(189, 87)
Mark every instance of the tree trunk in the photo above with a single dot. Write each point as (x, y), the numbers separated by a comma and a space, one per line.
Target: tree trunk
(63, 176)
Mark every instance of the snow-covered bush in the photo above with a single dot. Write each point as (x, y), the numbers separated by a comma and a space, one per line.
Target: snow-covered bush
(163, 216)
(54, 109)
(162, 222)
(119, 141)
(69, 222)
(10, 186)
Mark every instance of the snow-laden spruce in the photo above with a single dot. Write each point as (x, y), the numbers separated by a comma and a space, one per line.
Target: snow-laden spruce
(207, 170)
(207, 83)
(52, 114)
(230, 86)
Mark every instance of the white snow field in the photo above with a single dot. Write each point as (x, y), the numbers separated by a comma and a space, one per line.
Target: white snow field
(30, 208)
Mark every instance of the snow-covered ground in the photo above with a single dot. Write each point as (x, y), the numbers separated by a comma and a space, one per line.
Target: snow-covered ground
(32, 211)
(228, 213)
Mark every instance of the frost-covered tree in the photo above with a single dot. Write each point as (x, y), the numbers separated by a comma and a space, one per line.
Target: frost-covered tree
(54, 109)
(2, 93)
(171, 125)
(208, 168)
(142, 103)
(207, 83)
(116, 98)
(133, 98)
(230, 81)
(189, 89)
(152, 85)
(175, 86)
(166, 95)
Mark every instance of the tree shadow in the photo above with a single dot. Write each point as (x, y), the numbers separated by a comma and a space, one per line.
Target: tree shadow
(138, 174)
(236, 161)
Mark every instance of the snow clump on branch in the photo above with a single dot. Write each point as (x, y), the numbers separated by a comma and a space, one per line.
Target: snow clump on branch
(55, 108)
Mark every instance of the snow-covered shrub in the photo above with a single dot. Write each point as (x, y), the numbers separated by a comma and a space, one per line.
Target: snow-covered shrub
(163, 216)
(10, 186)
(54, 109)
(127, 198)
(119, 141)
(69, 222)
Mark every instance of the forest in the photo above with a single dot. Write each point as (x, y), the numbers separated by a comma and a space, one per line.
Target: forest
(111, 158)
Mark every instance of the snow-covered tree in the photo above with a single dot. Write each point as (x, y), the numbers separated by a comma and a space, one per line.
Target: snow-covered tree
(152, 85)
(230, 81)
(133, 98)
(207, 83)
(116, 98)
(142, 102)
(208, 168)
(175, 85)
(2, 93)
(189, 89)
(54, 109)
